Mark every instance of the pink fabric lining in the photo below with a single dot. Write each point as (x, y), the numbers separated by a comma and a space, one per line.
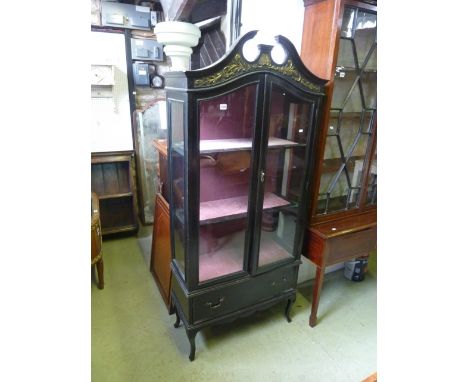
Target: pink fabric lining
(229, 257)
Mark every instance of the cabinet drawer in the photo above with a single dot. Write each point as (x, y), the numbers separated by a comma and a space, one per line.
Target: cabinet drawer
(224, 300)
(350, 245)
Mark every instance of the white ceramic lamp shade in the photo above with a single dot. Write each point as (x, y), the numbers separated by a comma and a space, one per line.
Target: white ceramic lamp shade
(178, 39)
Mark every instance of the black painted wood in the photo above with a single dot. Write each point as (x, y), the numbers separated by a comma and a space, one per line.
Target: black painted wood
(215, 301)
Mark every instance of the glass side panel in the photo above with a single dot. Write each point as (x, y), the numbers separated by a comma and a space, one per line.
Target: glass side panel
(352, 114)
(226, 135)
(284, 176)
(347, 24)
(365, 36)
(346, 55)
(176, 109)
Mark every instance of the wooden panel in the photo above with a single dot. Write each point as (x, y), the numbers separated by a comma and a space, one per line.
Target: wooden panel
(345, 225)
(351, 245)
(123, 174)
(320, 36)
(111, 178)
(161, 249)
(314, 247)
(97, 179)
(211, 47)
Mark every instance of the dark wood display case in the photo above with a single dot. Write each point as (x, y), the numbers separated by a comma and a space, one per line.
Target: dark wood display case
(112, 180)
(339, 43)
(242, 136)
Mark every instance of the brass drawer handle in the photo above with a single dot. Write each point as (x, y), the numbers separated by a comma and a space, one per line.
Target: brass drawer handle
(217, 305)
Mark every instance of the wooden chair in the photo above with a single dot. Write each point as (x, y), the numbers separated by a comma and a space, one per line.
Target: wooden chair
(96, 240)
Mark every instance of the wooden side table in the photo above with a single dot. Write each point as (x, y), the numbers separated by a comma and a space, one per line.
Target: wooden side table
(96, 240)
(334, 242)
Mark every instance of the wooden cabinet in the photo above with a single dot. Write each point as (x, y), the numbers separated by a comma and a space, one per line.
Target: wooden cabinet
(339, 43)
(242, 137)
(113, 181)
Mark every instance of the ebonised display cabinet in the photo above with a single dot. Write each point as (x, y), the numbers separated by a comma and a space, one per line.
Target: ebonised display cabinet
(242, 137)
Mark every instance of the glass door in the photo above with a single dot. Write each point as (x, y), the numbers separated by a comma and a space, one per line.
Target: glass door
(227, 126)
(352, 115)
(283, 175)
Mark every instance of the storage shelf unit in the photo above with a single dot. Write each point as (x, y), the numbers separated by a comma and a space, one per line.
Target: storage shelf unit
(112, 180)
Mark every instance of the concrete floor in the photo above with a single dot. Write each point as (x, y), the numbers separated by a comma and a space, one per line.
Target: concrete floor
(133, 338)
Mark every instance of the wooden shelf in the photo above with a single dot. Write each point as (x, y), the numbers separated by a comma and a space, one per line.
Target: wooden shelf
(216, 211)
(113, 196)
(223, 145)
(233, 208)
(127, 228)
(210, 146)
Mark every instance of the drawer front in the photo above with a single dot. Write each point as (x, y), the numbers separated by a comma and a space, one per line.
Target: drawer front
(348, 246)
(224, 300)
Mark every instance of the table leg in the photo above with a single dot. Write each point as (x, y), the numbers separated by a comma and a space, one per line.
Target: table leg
(319, 274)
(100, 271)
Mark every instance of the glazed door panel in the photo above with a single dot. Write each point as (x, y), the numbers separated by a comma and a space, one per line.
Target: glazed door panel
(227, 125)
(282, 174)
(352, 121)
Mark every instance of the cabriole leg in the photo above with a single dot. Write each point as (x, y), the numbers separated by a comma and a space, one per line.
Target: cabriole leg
(177, 323)
(289, 305)
(191, 337)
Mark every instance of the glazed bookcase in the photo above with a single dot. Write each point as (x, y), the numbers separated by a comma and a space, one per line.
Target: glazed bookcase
(242, 140)
(339, 43)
